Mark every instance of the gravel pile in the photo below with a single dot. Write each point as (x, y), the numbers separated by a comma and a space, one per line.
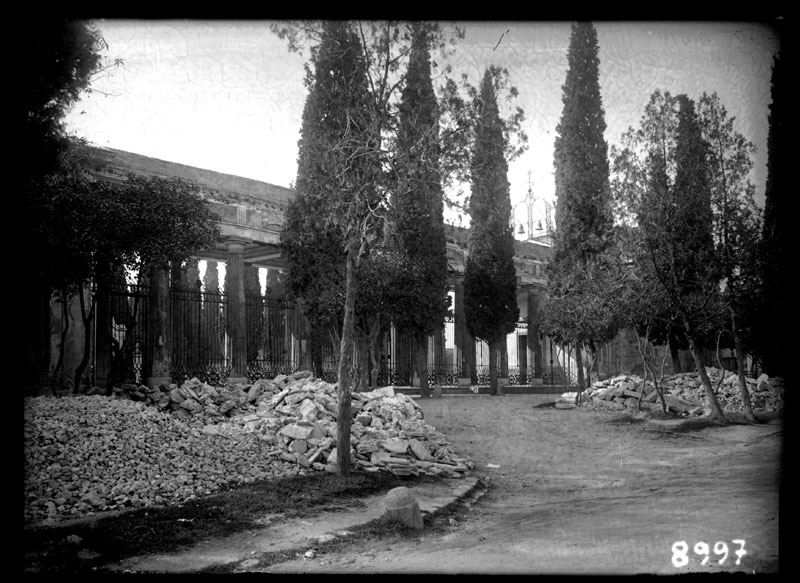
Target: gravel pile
(86, 454)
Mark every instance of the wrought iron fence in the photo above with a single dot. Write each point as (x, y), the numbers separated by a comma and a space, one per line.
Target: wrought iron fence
(128, 323)
(518, 376)
(199, 338)
(556, 376)
(446, 375)
(270, 325)
(200, 345)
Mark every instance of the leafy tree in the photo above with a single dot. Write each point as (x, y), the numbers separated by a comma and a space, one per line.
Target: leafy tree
(580, 273)
(629, 182)
(420, 293)
(676, 219)
(736, 227)
(58, 65)
(774, 303)
(459, 112)
(376, 302)
(94, 228)
(490, 281)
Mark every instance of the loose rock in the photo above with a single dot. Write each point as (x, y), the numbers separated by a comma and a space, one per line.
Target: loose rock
(89, 454)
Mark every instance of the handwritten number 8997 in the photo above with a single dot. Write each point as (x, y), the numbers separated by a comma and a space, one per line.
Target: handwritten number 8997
(680, 550)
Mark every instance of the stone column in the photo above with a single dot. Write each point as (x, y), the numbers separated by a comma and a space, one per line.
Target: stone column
(161, 355)
(236, 323)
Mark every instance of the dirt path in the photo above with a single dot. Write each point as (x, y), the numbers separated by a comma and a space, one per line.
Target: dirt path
(577, 493)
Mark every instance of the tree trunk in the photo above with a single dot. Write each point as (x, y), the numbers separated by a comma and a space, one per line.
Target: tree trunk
(494, 389)
(421, 364)
(737, 343)
(315, 346)
(579, 367)
(716, 411)
(362, 348)
(676, 359)
(344, 415)
(87, 317)
(58, 373)
(374, 335)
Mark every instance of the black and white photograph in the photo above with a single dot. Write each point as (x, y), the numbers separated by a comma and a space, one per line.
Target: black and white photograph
(493, 297)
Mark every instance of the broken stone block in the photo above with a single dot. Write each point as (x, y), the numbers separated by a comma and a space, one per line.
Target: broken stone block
(419, 450)
(315, 455)
(364, 419)
(380, 457)
(396, 445)
(226, 406)
(651, 396)
(402, 506)
(308, 410)
(299, 446)
(253, 393)
(302, 430)
(382, 392)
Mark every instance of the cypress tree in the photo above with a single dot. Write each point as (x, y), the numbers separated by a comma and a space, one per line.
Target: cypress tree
(583, 197)
(420, 292)
(337, 176)
(774, 260)
(490, 283)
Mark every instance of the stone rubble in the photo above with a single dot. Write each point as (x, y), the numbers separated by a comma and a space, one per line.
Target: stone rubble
(90, 453)
(683, 393)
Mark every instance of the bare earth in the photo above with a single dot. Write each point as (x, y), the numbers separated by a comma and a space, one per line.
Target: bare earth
(577, 493)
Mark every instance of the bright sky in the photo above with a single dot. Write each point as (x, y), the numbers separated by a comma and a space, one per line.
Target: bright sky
(228, 96)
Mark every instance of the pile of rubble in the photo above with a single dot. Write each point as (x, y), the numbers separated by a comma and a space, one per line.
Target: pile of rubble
(684, 393)
(93, 453)
(297, 415)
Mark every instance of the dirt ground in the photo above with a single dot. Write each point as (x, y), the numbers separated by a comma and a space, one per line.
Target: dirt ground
(575, 491)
